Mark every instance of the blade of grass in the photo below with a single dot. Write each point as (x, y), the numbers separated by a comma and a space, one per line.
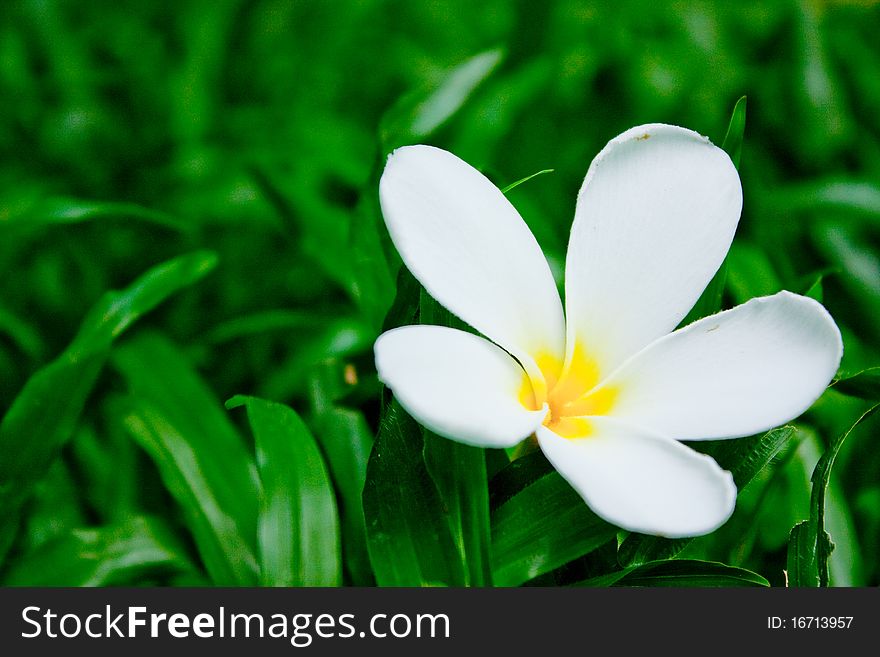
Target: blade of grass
(201, 458)
(408, 534)
(124, 553)
(51, 401)
(679, 572)
(541, 527)
(298, 526)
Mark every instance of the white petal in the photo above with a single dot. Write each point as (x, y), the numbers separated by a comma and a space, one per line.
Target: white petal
(464, 241)
(456, 384)
(733, 374)
(655, 217)
(642, 482)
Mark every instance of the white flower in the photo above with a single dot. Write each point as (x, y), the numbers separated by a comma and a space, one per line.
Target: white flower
(607, 389)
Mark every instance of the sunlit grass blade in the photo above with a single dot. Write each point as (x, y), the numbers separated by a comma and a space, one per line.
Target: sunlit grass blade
(408, 533)
(679, 572)
(137, 550)
(201, 458)
(298, 526)
(51, 401)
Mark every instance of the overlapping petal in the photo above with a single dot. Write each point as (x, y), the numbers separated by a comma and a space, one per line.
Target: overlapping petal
(464, 241)
(733, 374)
(655, 217)
(458, 385)
(643, 482)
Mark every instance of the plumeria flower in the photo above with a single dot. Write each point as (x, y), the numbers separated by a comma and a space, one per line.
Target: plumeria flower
(608, 388)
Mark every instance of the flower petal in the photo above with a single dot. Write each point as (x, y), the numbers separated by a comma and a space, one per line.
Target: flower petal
(733, 374)
(456, 384)
(642, 482)
(655, 217)
(464, 241)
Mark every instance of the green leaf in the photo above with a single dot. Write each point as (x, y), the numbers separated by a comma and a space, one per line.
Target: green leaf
(407, 300)
(420, 113)
(812, 285)
(743, 457)
(864, 384)
(408, 533)
(519, 182)
(746, 457)
(816, 290)
(298, 527)
(541, 527)
(266, 322)
(54, 508)
(60, 210)
(821, 477)
(111, 474)
(373, 279)
(8, 532)
(750, 273)
(22, 334)
(201, 458)
(346, 441)
(340, 338)
(809, 545)
(459, 471)
(853, 197)
(711, 299)
(318, 228)
(736, 129)
(801, 566)
(124, 553)
(679, 572)
(414, 118)
(51, 401)
(48, 406)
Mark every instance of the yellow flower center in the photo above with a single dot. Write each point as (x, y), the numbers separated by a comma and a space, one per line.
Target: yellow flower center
(569, 394)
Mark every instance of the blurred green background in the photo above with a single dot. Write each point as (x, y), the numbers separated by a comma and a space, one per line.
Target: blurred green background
(134, 132)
